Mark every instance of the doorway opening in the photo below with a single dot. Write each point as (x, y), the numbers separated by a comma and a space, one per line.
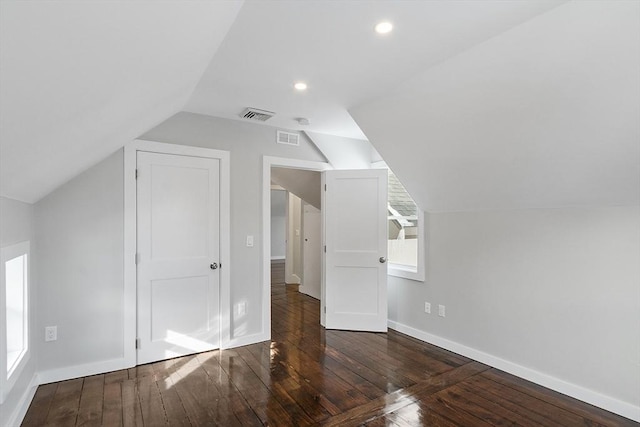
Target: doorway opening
(296, 180)
(296, 237)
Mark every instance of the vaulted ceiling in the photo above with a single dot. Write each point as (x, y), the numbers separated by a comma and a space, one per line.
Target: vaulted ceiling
(474, 104)
(546, 115)
(78, 79)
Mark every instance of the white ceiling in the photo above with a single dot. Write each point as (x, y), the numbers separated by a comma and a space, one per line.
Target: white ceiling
(79, 79)
(332, 46)
(545, 115)
(475, 104)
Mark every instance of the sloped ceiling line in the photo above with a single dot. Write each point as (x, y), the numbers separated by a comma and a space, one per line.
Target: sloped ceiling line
(79, 80)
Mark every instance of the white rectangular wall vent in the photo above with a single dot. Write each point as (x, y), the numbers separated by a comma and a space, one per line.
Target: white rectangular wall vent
(288, 138)
(256, 114)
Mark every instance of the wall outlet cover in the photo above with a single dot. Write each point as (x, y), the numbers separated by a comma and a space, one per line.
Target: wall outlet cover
(50, 333)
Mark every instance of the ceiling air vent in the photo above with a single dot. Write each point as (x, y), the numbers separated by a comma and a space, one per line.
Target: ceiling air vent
(288, 138)
(256, 114)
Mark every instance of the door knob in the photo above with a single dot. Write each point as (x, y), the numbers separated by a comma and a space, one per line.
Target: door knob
(382, 260)
(214, 266)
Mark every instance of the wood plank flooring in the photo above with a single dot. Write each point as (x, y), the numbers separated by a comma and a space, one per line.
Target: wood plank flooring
(308, 376)
(277, 271)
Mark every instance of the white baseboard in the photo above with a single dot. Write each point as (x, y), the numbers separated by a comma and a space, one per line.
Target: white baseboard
(277, 258)
(589, 396)
(17, 416)
(293, 279)
(70, 372)
(305, 291)
(246, 340)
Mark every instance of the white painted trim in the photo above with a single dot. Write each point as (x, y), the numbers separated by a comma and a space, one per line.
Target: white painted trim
(419, 273)
(130, 321)
(294, 279)
(589, 396)
(130, 274)
(8, 381)
(17, 415)
(277, 258)
(246, 340)
(225, 248)
(84, 370)
(267, 163)
(397, 271)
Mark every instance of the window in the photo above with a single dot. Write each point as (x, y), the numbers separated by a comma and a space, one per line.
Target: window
(15, 279)
(406, 233)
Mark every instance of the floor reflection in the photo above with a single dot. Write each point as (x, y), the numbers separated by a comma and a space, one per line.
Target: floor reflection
(309, 376)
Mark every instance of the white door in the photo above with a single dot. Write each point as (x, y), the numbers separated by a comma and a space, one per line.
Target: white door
(355, 280)
(178, 216)
(311, 251)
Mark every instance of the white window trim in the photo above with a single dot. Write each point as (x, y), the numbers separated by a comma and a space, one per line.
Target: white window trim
(407, 272)
(8, 380)
(403, 271)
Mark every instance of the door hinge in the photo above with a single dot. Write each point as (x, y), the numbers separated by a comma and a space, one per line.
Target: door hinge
(325, 187)
(136, 258)
(325, 248)
(137, 343)
(136, 173)
(325, 309)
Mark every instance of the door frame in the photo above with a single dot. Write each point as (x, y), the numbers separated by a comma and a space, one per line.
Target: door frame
(267, 163)
(130, 236)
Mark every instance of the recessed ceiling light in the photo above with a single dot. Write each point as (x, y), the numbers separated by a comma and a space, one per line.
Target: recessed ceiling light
(383, 27)
(300, 86)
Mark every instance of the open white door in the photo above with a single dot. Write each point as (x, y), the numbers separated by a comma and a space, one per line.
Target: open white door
(355, 279)
(178, 215)
(311, 250)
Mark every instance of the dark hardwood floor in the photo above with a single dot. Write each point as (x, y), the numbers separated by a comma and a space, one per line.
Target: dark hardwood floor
(306, 376)
(277, 271)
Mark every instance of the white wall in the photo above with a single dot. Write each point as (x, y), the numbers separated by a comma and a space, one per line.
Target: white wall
(552, 290)
(278, 224)
(79, 231)
(533, 136)
(303, 183)
(16, 219)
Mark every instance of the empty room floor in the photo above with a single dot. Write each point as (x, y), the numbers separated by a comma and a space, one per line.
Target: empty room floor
(307, 375)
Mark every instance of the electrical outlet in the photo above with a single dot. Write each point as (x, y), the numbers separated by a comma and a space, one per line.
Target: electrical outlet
(50, 333)
(427, 307)
(441, 310)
